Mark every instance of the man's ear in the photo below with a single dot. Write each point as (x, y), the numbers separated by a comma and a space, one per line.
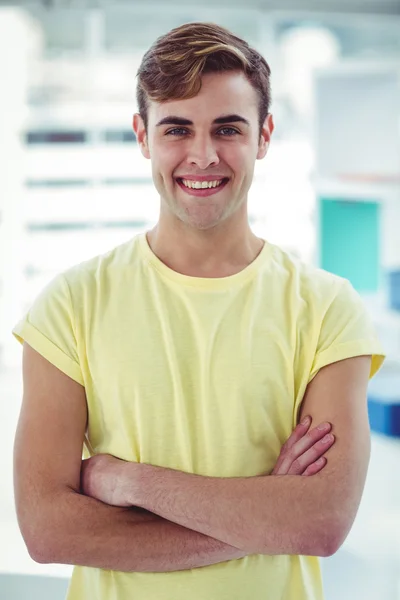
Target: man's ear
(265, 137)
(141, 134)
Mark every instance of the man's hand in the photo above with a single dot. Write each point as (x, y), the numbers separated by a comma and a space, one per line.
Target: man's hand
(302, 454)
(106, 478)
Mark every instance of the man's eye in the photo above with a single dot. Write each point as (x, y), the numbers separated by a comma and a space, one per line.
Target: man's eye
(177, 131)
(228, 131)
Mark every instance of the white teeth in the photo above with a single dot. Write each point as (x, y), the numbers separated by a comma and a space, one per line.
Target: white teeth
(197, 185)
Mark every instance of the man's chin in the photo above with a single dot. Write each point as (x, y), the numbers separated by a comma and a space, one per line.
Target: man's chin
(200, 216)
(203, 223)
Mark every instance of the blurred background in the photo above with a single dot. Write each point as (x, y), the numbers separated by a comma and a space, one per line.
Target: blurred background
(73, 184)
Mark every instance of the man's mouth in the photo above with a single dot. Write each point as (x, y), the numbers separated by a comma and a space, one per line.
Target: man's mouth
(197, 187)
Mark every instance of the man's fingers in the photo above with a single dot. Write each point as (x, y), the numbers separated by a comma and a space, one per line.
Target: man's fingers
(308, 458)
(301, 446)
(298, 432)
(316, 467)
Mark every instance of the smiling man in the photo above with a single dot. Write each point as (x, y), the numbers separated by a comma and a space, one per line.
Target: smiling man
(224, 167)
(190, 362)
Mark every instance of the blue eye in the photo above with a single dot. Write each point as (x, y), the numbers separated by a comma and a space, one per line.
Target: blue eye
(223, 132)
(228, 131)
(177, 131)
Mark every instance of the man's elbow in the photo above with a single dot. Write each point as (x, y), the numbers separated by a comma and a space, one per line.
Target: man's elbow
(45, 525)
(43, 536)
(38, 543)
(37, 546)
(329, 538)
(321, 538)
(39, 553)
(322, 544)
(327, 546)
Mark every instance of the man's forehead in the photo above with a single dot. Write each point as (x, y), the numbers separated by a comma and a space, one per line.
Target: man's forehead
(228, 93)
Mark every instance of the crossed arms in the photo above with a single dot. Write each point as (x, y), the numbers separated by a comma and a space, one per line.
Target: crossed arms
(193, 521)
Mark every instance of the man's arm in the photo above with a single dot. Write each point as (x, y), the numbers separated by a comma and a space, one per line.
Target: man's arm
(61, 525)
(278, 515)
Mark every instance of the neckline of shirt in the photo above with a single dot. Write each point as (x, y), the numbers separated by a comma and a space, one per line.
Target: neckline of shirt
(211, 283)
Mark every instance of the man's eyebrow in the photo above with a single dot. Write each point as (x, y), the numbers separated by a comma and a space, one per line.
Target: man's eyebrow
(231, 119)
(173, 120)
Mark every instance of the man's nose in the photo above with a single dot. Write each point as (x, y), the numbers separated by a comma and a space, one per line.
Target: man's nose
(202, 152)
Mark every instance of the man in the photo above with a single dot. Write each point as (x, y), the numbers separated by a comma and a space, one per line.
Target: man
(183, 359)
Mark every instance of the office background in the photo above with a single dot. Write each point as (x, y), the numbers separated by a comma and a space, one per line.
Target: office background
(74, 184)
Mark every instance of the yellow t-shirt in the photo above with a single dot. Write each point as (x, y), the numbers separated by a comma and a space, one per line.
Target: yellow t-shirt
(201, 375)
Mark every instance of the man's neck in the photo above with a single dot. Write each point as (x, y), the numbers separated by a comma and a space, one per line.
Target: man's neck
(205, 254)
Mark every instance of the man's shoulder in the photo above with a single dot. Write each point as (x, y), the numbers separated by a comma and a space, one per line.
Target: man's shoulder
(106, 264)
(310, 281)
(308, 273)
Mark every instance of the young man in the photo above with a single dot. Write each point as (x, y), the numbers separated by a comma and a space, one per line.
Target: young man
(183, 359)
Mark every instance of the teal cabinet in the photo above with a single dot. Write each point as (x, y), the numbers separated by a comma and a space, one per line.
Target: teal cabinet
(349, 241)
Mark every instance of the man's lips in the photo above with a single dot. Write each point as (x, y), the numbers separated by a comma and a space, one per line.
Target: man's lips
(202, 192)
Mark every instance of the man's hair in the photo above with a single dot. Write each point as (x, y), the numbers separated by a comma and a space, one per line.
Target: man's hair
(172, 68)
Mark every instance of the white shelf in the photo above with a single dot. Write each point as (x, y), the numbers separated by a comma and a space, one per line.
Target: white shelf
(357, 189)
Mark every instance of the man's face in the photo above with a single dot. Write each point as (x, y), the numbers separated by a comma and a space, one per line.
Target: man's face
(203, 149)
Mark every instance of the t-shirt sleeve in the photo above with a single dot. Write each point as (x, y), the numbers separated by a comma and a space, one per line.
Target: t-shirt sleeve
(347, 331)
(49, 328)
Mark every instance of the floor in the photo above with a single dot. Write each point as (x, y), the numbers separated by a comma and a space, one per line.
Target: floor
(367, 567)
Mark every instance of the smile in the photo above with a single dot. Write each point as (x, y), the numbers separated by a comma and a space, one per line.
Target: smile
(202, 188)
(197, 185)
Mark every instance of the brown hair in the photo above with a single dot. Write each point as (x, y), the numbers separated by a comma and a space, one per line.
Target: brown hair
(173, 66)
